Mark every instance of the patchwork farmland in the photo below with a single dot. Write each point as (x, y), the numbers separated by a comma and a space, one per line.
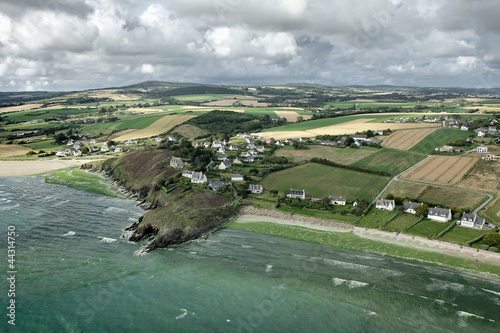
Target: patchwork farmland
(442, 170)
(158, 127)
(291, 116)
(405, 139)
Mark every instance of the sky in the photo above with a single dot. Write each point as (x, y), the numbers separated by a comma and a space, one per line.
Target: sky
(75, 45)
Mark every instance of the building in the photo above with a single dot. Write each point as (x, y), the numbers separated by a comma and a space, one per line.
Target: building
(360, 137)
(299, 194)
(215, 185)
(256, 189)
(471, 221)
(187, 174)
(409, 207)
(482, 149)
(118, 150)
(388, 205)
(337, 201)
(198, 178)
(237, 161)
(176, 163)
(224, 165)
(439, 214)
(237, 178)
(104, 148)
(491, 157)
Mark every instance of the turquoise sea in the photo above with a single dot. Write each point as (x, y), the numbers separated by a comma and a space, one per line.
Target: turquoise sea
(75, 273)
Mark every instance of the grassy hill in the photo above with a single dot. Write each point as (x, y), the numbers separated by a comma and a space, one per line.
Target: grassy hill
(390, 160)
(439, 138)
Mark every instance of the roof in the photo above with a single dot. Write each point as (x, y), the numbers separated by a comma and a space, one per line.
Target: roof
(384, 202)
(443, 212)
(298, 192)
(411, 205)
(237, 175)
(337, 199)
(255, 187)
(216, 184)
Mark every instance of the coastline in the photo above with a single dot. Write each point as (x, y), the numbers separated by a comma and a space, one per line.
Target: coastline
(473, 260)
(34, 167)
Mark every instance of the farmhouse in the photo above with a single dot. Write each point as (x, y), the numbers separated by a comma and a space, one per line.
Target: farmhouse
(385, 204)
(237, 161)
(471, 221)
(299, 194)
(63, 152)
(224, 165)
(216, 144)
(104, 149)
(482, 149)
(118, 150)
(198, 178)
(359, 137)
(221, 157)
(233, 148)
(249, 159)
(337, 201)
(237, 178)
(176, 163)
(491, 157)
(492, 130)
(256, 189)
(409, 207)
(217, 184)
(439, 214)
(464, 127)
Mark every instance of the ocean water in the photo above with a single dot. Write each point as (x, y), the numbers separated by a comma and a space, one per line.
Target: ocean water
(75, 273)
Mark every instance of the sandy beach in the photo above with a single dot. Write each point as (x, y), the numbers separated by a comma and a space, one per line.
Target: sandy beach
(28, 168)
(252, 214)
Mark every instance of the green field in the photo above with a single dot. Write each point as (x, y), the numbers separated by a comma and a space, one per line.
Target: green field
(321, 181)
(44, 114)
(347, 240)
(426, 228)
(439, 138)
(390, 160)
(401, 222)
(451, 198)
(373, 105)
(47, 145)
(321, 214)
(461, 235)
(375, 218)
(139, 123)
(204, 97)
(344, 156)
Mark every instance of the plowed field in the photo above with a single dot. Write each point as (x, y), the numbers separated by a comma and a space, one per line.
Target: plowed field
(442, 170)
(406, 139)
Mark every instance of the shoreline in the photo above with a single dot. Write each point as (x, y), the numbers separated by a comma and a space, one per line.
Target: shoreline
(255, 215)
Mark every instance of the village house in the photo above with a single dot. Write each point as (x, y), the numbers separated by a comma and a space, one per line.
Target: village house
(491, 157)
(237, 161)
(359, 137)
(187, 174)
(299, 194)
(63, 152)
(464, 127)
(233, 148)
(270, 141)
(221, 157)
(216, 144)
(439, 214)
(206, 144)
(251, 146)
(77, 152)
(482, 149)
(256, 189)
(471, 221)
(409, 207)
(289, 141)
(118, 150)
(337, 201)
(215, 185)
(481, 131)
(237, 178)
(221, 150)
(92, 141)
(373, 141)
(303, 140)
(130, 143)
(224, 165)
(198, 178)
(249, 159)
(327, 143)
(104, 148)
(260, 149)
(280, 143)
(388, 205)
(176, 163)
(378, 132)
(492, 130)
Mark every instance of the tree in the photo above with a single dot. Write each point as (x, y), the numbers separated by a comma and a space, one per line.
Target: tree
(85, 150)
(421, 210)
(493, 238)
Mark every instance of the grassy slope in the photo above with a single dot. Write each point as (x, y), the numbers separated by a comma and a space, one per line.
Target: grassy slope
(83, 180)
(439, 138)
(344, 156)
(390, 160)
(322, 180)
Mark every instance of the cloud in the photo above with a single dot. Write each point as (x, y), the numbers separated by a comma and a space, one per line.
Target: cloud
(73, 44)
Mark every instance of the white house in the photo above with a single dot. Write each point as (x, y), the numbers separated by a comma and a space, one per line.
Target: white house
(471, 221)
(198, 178)
(237, 178)
(388, 205)
(249, 159)
(214, 185)
(118, 150)
(233, 148)
(337, 201)
(300, 194)
(482, 149)
(464, 127)
(409, 207)
(256, 189)
(176, 162)
(187, 174)
(130, 142)
(224, 165)
(216, 144)
(237, 161)
(481, 134)
(439, 214)
(104, 148)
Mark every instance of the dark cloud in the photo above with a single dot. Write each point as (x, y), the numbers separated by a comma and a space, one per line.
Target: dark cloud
(18, 8)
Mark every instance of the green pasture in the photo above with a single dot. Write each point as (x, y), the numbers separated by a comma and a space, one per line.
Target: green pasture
(426, 228)
(389, 160)
(461, 235)
(401, 222)
(375, 218)
(439, 138)
(204, 97)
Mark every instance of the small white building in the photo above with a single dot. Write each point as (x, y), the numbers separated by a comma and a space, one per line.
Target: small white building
(118, 150)
(409, 207)
(388, 205)
(299, 194)
(237, 178)
(176, 163)
(187, 174)
(104, 148)
(439, 214)
(471, 221)
(198, 178)
(256, 189)
(337, 201)
(224, 165)
(482, 149)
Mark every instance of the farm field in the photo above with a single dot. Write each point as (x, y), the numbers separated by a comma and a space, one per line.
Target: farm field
(426, 228)
(484, 177)
(291, 116)
(13, 150)
(441, 170)
(405, 139)
(343, 156)
(160, 126)
(390, 160)
(461, 235)
(439, 138)
(19, 108)
(401, 223)
(451, 198)
(189, 131)
(322, 180)
(205, 97)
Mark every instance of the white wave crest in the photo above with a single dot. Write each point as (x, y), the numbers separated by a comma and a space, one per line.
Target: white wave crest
(349, 283)
(183, 314)
(269, 268)
(107, 240)
(69, 233)
(492, 292)
(462, 321)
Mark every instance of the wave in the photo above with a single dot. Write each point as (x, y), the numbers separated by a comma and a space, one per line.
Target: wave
(107, 240)
(349, 283)
(492, 292)
(69, 233)
(444, 285)
(269, 268)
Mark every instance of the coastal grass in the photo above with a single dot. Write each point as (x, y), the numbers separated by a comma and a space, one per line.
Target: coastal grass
(349, 218)
(83, 180)
(426, 228)
(461, 235)
(321, 181)
(347, 240)
(401, 222)
(390, 160)
(493, 212)
(451, 198)
(439, 138)
(375, 218)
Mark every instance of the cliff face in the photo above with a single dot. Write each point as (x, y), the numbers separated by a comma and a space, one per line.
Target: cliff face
(178, 213)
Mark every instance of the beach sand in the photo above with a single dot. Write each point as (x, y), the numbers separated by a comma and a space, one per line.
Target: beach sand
(28, 168)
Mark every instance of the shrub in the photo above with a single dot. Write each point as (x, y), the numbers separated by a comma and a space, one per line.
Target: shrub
(493, 249)
(484, 247)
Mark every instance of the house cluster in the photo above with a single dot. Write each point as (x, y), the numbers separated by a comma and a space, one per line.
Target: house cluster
(301, 194)
(423, 119)
(484, 131)
(359, 140)
(74, 147)
(436, 214)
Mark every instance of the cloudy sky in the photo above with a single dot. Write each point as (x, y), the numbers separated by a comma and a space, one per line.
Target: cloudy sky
(83, 44)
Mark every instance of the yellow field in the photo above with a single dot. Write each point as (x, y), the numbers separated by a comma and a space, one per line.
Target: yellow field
(405, 139)
(20, 108)
(442, 170)
(291, 116)
(350, 127)
(111, 94)
(158, 127)
(13, 150)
